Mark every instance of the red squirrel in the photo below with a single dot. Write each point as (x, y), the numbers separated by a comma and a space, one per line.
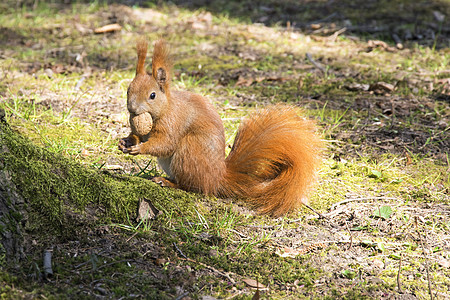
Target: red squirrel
(272, 163)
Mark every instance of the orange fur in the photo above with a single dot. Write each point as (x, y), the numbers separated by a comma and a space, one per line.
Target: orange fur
(273, 161)
(162, 60)
(141, 49)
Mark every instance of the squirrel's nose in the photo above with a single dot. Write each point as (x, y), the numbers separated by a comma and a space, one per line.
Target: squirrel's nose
(136, 108)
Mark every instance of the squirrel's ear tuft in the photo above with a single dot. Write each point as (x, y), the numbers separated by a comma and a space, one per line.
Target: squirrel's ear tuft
(161, 64)
(141, 48)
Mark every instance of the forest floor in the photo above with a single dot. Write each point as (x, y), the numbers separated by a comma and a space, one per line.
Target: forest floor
(374, 74)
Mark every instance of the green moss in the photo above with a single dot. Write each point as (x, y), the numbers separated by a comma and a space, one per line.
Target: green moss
(55, 186)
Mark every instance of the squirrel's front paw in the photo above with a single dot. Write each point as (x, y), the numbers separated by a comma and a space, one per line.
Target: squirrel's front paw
(134, 150)
(124, 144)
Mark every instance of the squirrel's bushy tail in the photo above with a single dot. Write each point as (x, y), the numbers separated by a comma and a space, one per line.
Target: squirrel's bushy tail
(274, 160)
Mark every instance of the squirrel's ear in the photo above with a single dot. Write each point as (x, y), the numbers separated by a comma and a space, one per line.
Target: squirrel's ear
(161, 78)
(161, 65)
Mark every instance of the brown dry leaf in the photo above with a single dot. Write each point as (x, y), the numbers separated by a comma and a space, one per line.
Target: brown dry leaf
(317, 38)
(253, 283)
(273, 78)
(242, 81)
(381, 87)
(160, 261)
(248, 56)
(58, 68)
(357, 87)
(82, 29)
(146, 210)
(287, 252)
(443, 86)
(108, 28)
(380, 44)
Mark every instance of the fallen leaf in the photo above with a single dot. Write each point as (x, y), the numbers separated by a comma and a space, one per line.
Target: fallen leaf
(375, 174)
(357, 87)
(108, 28)
(445, 263)
(383, 212)
(253, 283)
(242, 81)
(146, 210)
(82, 29)
(378, 263)
(160, 261)
(349, 274)
(380, 44)
(381, 87)
(287, 252)
(395, 256)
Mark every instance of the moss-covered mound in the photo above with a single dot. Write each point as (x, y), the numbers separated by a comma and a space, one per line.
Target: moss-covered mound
(62, 196)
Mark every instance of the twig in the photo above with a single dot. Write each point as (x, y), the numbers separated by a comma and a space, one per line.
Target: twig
(179, 251)
(322, 216)
(334, 36)
(238, 233)
(361, 199)
(204, 265)
(132, 236)
(426, 259)
(398, 275)
(316, 64)
(226, 275)
(351, 236)
(315, 211)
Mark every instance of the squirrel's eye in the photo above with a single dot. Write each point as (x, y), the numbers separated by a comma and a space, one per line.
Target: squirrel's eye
(153, 95)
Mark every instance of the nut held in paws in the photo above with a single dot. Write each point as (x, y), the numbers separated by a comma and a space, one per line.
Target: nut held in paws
(141, 124)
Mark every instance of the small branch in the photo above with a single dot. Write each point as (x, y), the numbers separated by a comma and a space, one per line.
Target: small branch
(316, 64)
(315, 211)
(426, 259)
(398, 274)
(361, 199)
(226, 275)
(334, 36)
(179, 251)
(351, 236)
(321, 216)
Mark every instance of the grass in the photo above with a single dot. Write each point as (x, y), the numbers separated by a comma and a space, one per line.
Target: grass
(66, 92)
